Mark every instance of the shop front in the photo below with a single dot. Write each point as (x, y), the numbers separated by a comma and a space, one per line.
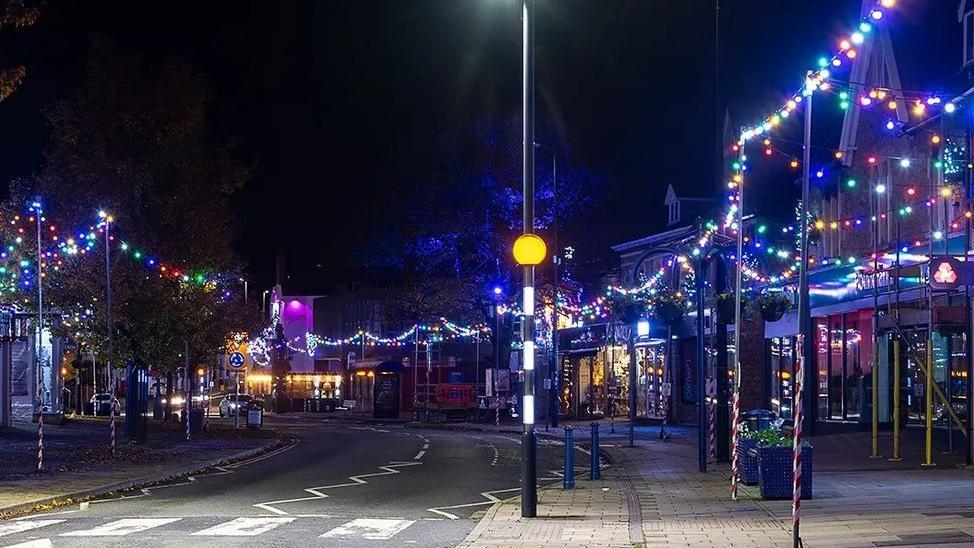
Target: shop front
(867, 323)
(594, 374)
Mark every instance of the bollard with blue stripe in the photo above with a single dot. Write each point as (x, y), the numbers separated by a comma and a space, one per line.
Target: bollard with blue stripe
(594, 472)
(569, 458)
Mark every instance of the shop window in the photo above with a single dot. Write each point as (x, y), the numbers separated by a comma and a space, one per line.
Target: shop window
(853, 366)
(822, 360)
(836, 367)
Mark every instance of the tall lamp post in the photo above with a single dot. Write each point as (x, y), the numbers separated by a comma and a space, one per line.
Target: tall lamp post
(38, 358)
(108, 219)
(529, 251)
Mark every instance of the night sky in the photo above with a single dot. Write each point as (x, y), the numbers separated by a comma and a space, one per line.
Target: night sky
(339, 103)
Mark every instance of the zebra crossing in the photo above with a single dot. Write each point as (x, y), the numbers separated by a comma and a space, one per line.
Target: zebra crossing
(56, 532)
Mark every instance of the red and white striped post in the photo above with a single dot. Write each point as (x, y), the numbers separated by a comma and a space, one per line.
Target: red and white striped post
(735, 424)
(40, 440)
(738, 324)
(186, 413)
(796, 489)
(712, 416)
(111, 423)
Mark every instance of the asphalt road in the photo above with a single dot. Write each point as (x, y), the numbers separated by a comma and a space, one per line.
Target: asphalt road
(341, 485)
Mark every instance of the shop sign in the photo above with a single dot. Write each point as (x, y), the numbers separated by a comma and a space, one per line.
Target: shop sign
(582, 338)
(950, 273)
(866, 281)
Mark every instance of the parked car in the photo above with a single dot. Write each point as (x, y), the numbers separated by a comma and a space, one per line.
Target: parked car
(230, 404)
(101, 404)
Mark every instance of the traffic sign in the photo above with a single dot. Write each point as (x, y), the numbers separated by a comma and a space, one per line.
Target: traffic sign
(236, 360)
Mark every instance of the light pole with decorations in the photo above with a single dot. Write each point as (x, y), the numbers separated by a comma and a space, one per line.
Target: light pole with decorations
(529, 251)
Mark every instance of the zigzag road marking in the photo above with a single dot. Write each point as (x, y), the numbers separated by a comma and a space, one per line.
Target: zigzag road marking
(387, 470)
(221, 471)
(489, 495)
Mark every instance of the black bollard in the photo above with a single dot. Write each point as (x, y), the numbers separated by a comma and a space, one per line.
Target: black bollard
(594, 472)
(569, 482)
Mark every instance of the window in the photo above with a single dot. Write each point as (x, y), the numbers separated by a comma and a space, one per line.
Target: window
(674, 212)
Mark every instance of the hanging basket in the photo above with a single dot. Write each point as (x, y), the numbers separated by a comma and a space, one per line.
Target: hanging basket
(669, 313)
(773, 306)
(725, 310)
(773, 312)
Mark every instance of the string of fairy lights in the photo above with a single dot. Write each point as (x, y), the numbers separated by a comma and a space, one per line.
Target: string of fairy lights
(764, 260)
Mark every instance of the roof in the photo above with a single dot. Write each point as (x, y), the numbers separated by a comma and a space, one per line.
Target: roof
(669, 235)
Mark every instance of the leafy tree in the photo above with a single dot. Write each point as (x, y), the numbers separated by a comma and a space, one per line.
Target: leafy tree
(454, 245)
(15, 14)
(143, 152)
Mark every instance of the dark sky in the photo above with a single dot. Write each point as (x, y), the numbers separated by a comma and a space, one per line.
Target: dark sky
(339, 102)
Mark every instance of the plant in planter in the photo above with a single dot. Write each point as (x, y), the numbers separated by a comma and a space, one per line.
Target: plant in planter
(773, 305)
(747, 458)
(724, 303)
(670, 307)
(775, 465)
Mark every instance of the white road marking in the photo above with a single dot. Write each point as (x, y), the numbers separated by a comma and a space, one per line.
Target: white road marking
(419, 455)
(244, 527)
(12, 527)
(39, 543)
(122, 527)
(316, 491)
(489, 495)
(372, 529)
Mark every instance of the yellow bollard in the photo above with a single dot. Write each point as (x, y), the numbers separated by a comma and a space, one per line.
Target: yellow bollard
(875, 404)
(896, 402)
(928, 395)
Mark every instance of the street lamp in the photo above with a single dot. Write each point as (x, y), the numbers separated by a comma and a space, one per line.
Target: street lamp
(107, 220)
(529, 244)
(244, 280)
(529, 251)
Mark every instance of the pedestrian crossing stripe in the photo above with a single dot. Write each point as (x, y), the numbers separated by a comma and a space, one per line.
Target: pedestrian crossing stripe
(12, 527)
(122, 527)
(39, 543)
(371, 529)
(244, 527)
(366, 528)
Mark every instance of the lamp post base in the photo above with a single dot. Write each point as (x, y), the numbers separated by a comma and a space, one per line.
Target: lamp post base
(529, 474)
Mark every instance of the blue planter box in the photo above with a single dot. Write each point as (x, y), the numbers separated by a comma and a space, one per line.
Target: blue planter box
(775, 473)
(747, 461)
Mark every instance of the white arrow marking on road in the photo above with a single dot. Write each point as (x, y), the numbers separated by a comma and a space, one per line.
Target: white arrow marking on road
(419, 455)
(372, 529)
(244, 527)
(39, 543)
(122, 527)
(21, 526)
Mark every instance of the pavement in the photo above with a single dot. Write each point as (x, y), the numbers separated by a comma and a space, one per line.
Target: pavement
(858, 501)
(78, 463)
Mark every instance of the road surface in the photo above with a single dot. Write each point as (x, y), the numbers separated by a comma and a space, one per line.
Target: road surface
(340, 485)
